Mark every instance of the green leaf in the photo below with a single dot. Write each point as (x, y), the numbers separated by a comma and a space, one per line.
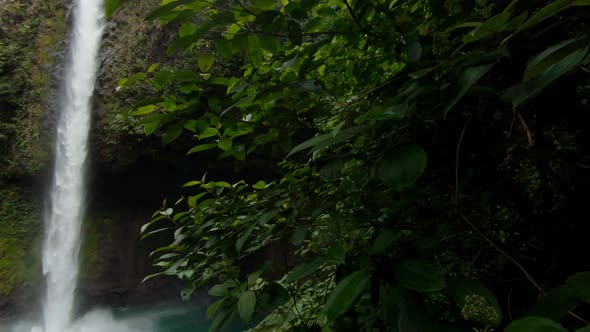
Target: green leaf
(534, 324)
(162, 77)
(529, 89)
(555, 303)
(269, 43)
(401, 167)
(419, 275)
(225, 48)
(153, 67)
(345, 295)
(337, 253)
(243, 237)
(545, 13)
(202, 147)
(150, 128)
(493, 25)
(110, 6)
(584, 329)
(131, 80)
(209, 132)
(254, 50)
(383, 241)
(305, 269)
(553, 55)
(205, 61)
(580, 285)
(187, 28)
(225, 144)
(144, 110)
(246, 305)
(414, 51)
(259, 185)
(272, 296)
(172, 133)
(469, 77)
(326, 140)
(212, 309)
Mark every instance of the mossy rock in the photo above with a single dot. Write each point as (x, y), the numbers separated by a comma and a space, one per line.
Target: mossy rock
(20, 225)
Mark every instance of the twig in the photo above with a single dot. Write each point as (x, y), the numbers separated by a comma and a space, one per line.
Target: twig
(509, 310)
(525, 127)
(515, 262)
(457, 159)
(504, 253)
(353, 14)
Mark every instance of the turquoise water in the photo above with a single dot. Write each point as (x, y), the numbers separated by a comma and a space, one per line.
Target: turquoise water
(161, 318)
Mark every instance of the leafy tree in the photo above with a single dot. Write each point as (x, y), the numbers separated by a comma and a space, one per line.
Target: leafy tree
(412, 140)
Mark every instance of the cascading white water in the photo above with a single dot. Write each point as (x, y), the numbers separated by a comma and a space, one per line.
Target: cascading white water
(62, 238)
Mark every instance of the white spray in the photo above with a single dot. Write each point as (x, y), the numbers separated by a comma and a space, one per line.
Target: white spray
(62, 238)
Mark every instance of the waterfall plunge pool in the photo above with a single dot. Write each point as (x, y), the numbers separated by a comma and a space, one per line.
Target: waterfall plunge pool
(160, 318)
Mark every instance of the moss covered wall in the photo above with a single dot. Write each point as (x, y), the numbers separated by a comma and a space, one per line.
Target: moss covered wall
(20, 221)
(31, 35)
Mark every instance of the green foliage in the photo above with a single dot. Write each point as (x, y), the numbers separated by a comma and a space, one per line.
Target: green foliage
(412, 115)
(30, 34)
(19, 240)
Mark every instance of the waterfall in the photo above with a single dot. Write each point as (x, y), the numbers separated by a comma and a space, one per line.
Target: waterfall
(63, 223)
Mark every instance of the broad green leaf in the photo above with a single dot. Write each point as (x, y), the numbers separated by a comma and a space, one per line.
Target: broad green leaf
(246, 305)
(172, 132)
(212, 309)
(272, 296)
(254, 50)
(185, 76)
(326, 140)
(206, 61)
(401, 167)
(202, 147)
(469, 77)
(191, 183)
(153, 67)
(414, 51)
(298, 235)
(580, 285)
(337, 253)
(225, 144)
(545, 13)
(345, 295)
(419, 275)
(163, 77)
(266, 4)
(269, 43)
(243, 238)
(187, 28)
(584, 329)
(259, 185)
(209, 132)
(555, 303)
(553, 55)
(110, 6)
(534, 324)
(225, 48)
(493, 25)
(150, 128)
(131, 80)
(145, 110)
(383, 241)
(531, 88)
(305, 269)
